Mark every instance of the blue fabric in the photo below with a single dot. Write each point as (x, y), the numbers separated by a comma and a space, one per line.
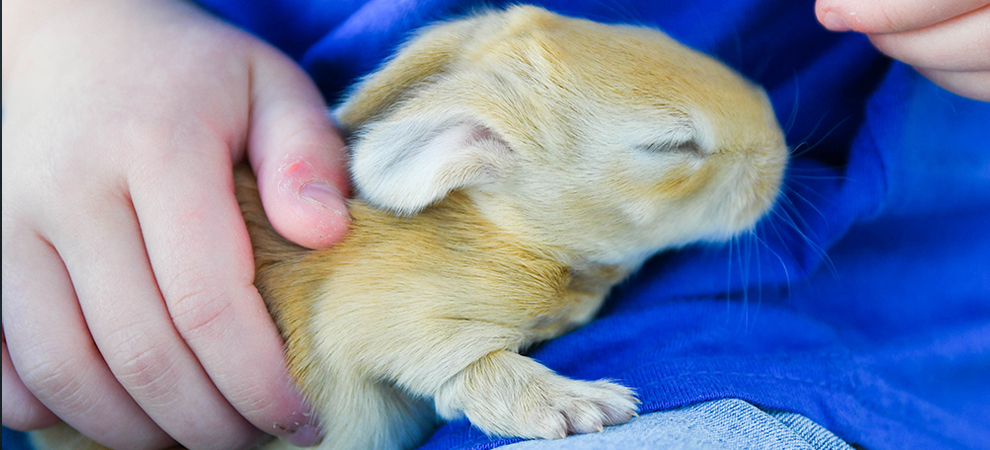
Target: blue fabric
(861, 302)
(14, 440)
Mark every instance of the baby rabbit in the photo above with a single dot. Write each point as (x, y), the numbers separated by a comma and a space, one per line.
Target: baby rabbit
(511, 168)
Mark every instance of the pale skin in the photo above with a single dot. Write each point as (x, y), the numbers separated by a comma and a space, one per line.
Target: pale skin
(946, 41)
(128, 306)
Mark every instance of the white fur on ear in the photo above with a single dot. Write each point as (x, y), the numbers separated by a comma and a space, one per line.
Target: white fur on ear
(405, 165)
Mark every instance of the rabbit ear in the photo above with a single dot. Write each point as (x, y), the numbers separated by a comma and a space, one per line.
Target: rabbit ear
(428, 53)
(405, 165)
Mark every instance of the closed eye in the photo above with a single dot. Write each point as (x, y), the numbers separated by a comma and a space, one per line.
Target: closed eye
(690, 148)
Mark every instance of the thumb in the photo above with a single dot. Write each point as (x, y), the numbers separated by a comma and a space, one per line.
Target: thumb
(296, 153)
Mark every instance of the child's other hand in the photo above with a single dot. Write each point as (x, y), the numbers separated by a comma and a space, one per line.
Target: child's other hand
(946, 41)
(128, 304)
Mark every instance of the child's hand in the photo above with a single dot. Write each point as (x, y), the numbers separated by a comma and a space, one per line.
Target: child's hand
(946, 41)
(128, 304)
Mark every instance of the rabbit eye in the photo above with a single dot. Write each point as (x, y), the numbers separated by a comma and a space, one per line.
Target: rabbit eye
(690, 148)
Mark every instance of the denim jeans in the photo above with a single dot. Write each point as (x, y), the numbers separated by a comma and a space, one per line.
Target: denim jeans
(717, 424)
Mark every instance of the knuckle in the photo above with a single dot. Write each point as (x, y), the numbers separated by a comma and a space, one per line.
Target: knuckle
(66, 382)
(198, 308)
(142, 366)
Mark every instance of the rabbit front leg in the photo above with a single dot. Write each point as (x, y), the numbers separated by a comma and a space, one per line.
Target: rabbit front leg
(508, 394)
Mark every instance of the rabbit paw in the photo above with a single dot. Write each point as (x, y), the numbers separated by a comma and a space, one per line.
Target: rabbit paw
(508, 394)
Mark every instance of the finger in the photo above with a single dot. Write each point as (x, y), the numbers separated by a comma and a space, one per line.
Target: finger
(51, 348)
(889, 16)
(21, 409)
(960, 44)
(296, 153)
(206, 273)
(131, 326)
(974, 85)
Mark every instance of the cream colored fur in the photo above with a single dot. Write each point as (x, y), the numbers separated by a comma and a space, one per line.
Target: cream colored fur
(511, 168)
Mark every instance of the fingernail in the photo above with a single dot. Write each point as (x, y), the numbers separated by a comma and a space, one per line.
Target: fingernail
(324, 195)
(833, 21)
(307, 436)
